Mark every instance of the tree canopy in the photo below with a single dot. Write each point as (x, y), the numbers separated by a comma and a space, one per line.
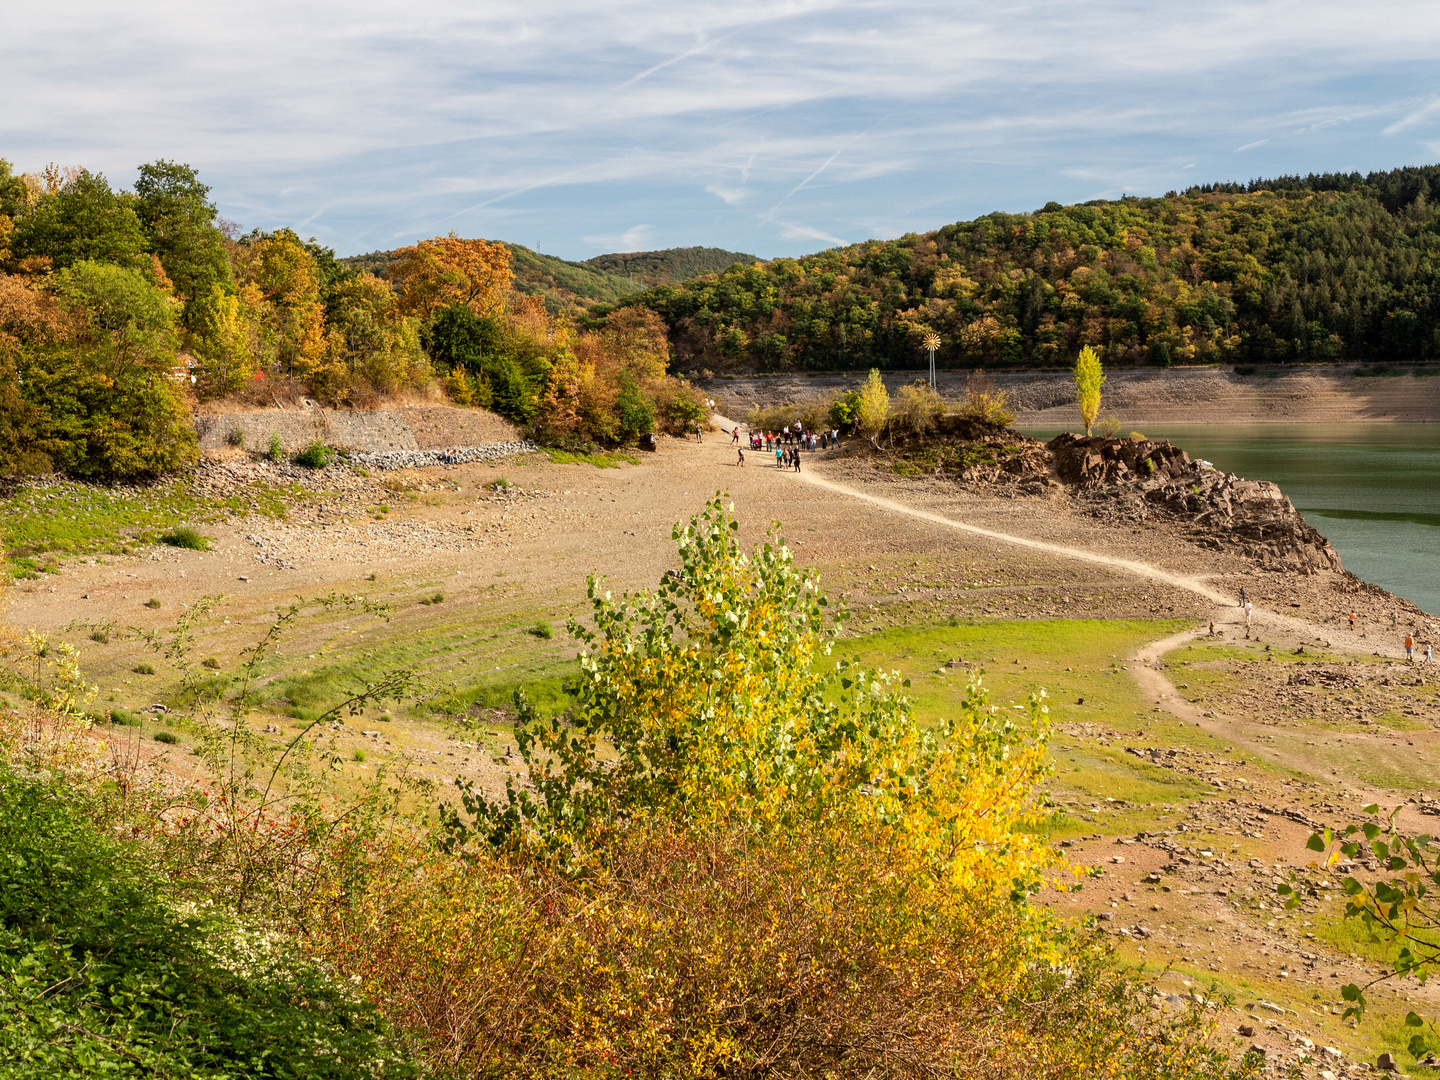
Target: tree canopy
(1310, 269)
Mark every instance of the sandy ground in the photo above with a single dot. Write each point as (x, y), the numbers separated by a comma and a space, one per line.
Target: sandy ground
(895, 551)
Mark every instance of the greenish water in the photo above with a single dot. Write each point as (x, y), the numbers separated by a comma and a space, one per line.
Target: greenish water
(1372, 489)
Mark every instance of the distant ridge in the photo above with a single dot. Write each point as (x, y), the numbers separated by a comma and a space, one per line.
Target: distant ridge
(575, 287)
(671, 265)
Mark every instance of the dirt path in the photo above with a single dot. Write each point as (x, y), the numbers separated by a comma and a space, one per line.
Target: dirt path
(1144, 666)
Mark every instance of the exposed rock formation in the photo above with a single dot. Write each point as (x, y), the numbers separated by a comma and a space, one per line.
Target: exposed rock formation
(1139, 479)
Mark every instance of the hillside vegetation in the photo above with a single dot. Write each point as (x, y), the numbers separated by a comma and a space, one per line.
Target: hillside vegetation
(119, 308)
(1311, 269)
(573, 288)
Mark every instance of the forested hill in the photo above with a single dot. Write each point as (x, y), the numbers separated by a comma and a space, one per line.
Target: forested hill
(573, 287)
(1313, 269)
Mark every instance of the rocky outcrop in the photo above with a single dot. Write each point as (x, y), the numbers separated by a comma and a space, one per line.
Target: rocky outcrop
(1138, 479)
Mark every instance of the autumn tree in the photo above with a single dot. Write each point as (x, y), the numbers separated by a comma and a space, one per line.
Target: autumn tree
(450, 270)
(1089, 377)
(872, 406)
(280, 289)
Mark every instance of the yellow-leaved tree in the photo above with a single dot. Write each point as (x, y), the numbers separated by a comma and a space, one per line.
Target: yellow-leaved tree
(872, 406)
(735, 856)
(1089, 377)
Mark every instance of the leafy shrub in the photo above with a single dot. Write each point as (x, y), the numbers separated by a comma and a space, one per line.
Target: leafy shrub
(917, 407)
(1109, 427)
(315, 456)
(985, 403)
(236, 438)
(99, 975)
(433, 598)
(210, 662)
(168, 737)
(124, 718)
(153, 602)
(542, 630)
(100, 637)
(143, 669)
(275, 449)
(359, 754)
(733, 845)
(183, 536)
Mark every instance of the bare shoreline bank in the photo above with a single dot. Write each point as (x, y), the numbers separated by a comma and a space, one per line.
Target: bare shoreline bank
(1141, 396)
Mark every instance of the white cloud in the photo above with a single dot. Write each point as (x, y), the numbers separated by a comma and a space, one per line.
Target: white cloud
(560, 121)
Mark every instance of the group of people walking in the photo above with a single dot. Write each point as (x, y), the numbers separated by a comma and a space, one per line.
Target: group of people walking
(785, 445)
(1249, 608)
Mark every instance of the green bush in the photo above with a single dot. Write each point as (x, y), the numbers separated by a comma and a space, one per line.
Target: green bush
(542, 630)
(315, 456)
(183, 536)
(433, 598)
(275, 449)
(152, 602)
(236, 438)
(100, 975)
(143, 669)
(168, 737)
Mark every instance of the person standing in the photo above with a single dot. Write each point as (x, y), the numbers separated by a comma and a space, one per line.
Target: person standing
(779, 457)
(735, 436)
(795, 459)
(1352, 620)
(1249, 611)
(741, 451)
(1428, 658)
(1242, 595)
(699, 435)
(1409, 646)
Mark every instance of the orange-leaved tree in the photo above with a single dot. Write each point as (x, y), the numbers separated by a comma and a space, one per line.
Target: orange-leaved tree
(449, 270)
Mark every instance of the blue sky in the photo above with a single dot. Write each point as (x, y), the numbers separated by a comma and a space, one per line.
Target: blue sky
(776, 128)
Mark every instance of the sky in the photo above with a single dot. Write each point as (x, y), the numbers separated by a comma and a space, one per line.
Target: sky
(775, 128)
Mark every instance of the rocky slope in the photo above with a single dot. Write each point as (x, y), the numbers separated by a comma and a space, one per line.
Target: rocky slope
(1128, 481)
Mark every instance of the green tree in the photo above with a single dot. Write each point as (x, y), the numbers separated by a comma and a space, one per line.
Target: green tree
(108, 403)
(174, 207)
(82, 221)
(221, 343)
(1089, 377)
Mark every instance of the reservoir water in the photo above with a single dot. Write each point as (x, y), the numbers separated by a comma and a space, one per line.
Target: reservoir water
(1373, 490)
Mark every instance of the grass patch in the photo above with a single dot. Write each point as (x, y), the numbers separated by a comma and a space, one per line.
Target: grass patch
(143, 669)
(185, 537)
(73, 519)
(100, 637)
(433, 598)
(359, 754)
(602, 460)
(153, 602)
(542, 630)
(1021, 657)
(168, 737)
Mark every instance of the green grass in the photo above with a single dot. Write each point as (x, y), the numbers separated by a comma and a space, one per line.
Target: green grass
(1021, 657)
(185, 537)
(41, 523)
(601, 460)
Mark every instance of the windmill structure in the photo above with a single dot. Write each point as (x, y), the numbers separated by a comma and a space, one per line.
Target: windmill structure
(931, 342)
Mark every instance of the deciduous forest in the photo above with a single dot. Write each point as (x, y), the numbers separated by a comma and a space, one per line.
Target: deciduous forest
(1295, 269)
